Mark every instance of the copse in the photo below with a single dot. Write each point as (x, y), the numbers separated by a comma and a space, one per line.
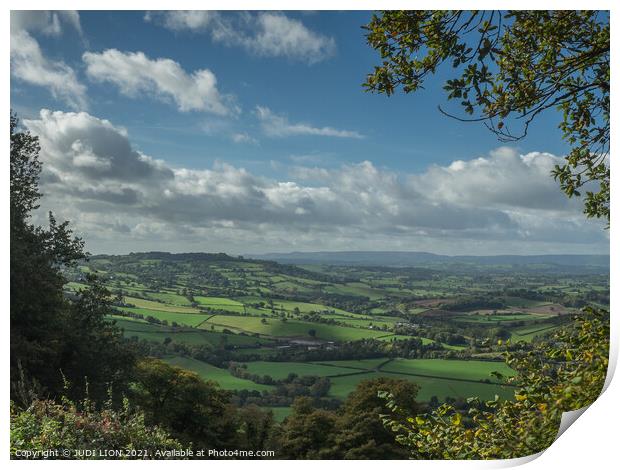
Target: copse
(509, 67)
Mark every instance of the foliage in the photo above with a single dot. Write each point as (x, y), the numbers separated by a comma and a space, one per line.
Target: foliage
(308, 433)
(355, 432)
(194, 411)
(563, 375)
(79, 426)
(512, 66)
(361, 432)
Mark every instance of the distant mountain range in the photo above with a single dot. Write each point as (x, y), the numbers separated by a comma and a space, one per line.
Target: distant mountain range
(416, 258)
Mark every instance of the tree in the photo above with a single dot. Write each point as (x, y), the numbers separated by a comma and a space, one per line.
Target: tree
(510, 67)
(361, 433)
(191, 410)
(308, 433)
(254, 428)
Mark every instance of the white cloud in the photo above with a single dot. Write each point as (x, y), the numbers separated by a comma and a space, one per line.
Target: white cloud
(91, 150)
(265, 34)
(504, 179)
(28, 63)
(122, 200)
(243, 138)
(179, 20)
(134, 74)
(277, 125)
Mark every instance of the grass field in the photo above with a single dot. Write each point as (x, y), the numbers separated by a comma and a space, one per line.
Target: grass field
(363, 364)
(188, 319)
(291, 328)
(446, 368)
(502, 317)
(164, 307)
(441, 388)
(190, 336)
(528, 333)
(170, 298)
(280, 370)
(221, 303)
(209, 372)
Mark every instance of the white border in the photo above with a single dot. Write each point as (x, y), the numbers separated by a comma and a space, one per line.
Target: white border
(592, 441)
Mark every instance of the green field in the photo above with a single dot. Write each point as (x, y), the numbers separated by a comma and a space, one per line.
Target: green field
(447, 368)
(190, 336)
(503, 317)
(220, 303)
(528, 333)
(441, 388)
(209, 372)
(363, 364)
(291, 328)
(164, 307)
(188, 319)
(281, 370)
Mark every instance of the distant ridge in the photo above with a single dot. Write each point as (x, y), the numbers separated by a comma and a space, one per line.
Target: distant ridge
(410, 258)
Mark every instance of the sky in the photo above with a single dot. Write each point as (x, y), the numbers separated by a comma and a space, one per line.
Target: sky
(251, 132)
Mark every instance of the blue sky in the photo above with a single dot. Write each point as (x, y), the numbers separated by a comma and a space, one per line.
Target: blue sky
(258, 136)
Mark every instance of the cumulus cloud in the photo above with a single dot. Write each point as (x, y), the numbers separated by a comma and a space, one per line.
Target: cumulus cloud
(124, 200)
(81, 146)
(134, 73)
(504, 178)
(278, 125)
(28, 62)
(265, 34)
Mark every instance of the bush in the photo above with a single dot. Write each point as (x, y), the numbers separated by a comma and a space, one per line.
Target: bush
(46, 425)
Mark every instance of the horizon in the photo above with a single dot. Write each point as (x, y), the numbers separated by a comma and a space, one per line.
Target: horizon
(346, 251)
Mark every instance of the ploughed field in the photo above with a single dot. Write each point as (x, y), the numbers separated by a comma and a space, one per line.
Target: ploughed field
(346, 324)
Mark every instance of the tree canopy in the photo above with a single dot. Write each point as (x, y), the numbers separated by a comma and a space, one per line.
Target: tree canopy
(509, 67)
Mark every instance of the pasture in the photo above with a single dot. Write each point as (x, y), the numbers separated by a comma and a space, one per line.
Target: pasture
(275, 327)
(208, 372)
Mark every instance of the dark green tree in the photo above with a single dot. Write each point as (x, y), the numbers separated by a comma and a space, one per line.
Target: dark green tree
(191, 410)
(509, 68)
(308, 433)
(361, 433)
(254, 428)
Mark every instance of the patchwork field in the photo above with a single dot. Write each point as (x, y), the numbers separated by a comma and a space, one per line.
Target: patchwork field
(277, 319)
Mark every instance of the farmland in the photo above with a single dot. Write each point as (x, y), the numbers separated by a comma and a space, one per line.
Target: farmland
(257, 327)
